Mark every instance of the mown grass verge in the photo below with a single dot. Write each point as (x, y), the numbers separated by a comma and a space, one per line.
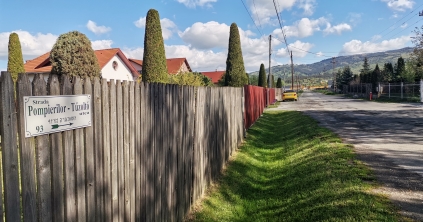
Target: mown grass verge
(290, 169)
(324, 91)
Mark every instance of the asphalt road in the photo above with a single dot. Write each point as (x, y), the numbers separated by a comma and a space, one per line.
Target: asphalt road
(388, 137)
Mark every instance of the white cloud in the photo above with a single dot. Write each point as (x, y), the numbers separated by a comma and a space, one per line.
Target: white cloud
(399, 5)
(206, 35)
(308, 6)
(167, 25)
(404, 25)
(337, 29)
(140, 23)
(195, 3)
(298, 49)
(376, 37)
(93, 27)
(264, 12)
(302, 28)
(319, 54)
(101, 44)
(32, 45)
(359, 47)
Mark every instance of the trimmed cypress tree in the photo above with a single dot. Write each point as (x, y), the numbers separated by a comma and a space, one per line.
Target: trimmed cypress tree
(154, 68)
(235, 70)
(262, 76)
(73, 55)
(15, 63)
(279, 83)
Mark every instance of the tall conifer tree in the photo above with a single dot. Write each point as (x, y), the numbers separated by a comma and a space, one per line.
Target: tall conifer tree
(15, 63)
(235, 70)
(262, 76)
(154, 67)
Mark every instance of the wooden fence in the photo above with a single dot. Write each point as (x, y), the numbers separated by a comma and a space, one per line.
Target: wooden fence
(150, 153)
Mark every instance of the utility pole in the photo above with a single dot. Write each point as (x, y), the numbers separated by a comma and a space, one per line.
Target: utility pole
(292, 73)
(334, 76)
(269, 81)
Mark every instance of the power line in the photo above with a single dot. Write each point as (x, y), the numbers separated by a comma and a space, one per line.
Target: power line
(397, 26)
(306, 50)
(258, 18)
(251, 17)
(280, 24)
(400, 19)
(404, 29)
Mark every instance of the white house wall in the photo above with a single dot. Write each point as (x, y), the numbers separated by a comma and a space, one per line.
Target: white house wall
(121, 73)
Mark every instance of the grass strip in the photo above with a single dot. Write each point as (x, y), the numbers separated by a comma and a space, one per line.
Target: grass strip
(290, 169)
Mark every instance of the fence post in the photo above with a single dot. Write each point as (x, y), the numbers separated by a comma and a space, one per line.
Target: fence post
(421, 90)
(389, 89)
(402, 85)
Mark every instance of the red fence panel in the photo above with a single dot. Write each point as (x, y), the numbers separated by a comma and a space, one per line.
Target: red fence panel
(255, 101)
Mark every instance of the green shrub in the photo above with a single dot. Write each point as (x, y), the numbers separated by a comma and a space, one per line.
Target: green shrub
(73, 55)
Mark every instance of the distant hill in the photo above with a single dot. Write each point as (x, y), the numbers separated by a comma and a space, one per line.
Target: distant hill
(354, 61)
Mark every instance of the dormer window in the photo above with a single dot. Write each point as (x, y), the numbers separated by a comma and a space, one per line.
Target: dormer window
(115, 65)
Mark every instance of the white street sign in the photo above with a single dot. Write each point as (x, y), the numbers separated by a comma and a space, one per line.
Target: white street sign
(51, 114)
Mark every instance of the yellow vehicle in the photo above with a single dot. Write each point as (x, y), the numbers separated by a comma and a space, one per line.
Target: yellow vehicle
(289, 95)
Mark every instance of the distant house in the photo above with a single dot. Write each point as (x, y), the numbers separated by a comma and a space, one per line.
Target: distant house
(214, 76)
(113, 64)
(174, 65)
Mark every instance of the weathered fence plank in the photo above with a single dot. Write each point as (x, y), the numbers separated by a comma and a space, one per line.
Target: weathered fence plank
(27, 154)
(69, 162)
(173, 152)
(126, 144)
(137, 155)
(105, 90)
(89, 158)
(114, 152)
(56, 145)
(98, 150)
(9, 149)
(132, 132)
(43, 157)
(149, 134)
(79, 159)
(120, 151)
(142, 155)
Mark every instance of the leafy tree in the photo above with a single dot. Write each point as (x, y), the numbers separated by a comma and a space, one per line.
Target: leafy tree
(154, 68)
(248, 78)
(15, 63)
(387, 72)
(254, 80)
(409, 74)
(222, 80)
(417, 54)
(73, 55)
(235, 70)
(189, 79)
(262, 76)
(279, 83)
(375, 77)
(364, 72)
(400, 69)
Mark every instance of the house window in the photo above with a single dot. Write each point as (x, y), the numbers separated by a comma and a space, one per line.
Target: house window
(115, 65)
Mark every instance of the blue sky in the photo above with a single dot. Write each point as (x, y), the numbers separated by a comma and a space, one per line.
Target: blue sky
(199, 29)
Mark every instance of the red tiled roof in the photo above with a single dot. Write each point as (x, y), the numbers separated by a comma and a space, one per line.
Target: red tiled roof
(214, 76)
(136, 61)
(42, 63)
(173, 64)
